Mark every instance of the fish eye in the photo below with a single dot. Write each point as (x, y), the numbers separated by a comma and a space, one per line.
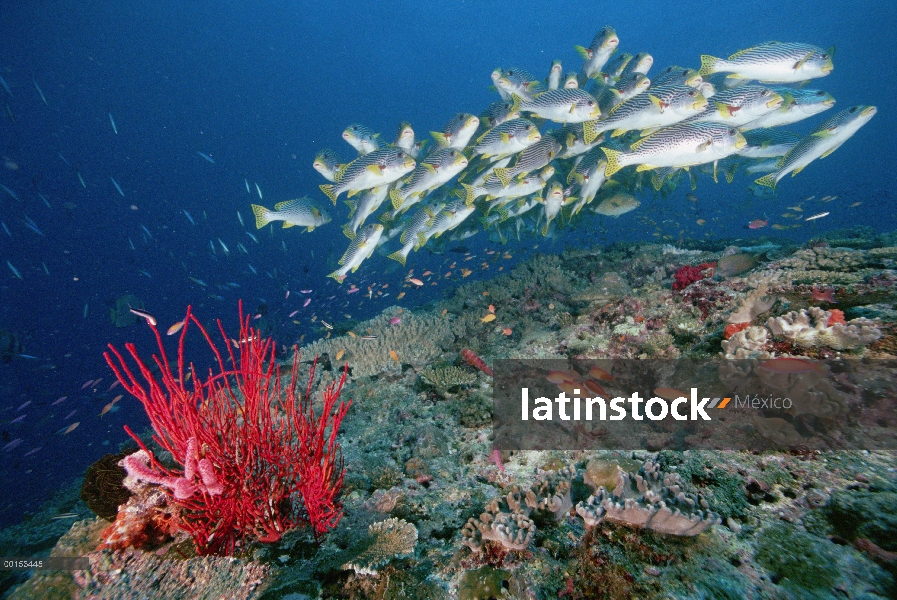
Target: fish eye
(853, 109)
(691, 93)
(732, 131)
(765, 93)
(824, 56)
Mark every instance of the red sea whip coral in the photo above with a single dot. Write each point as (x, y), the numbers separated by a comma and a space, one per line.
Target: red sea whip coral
(687, 275)
(257, 459)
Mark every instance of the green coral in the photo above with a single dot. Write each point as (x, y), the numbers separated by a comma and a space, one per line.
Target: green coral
(724, 490)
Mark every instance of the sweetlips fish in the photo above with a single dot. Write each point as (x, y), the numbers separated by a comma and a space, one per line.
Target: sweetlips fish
(438, 168)
(554, 75)
(361, 138)
(640, 63)
(415, 227)
(773, 62)
(554, 201)
(507, 138)
(497, 113)
(520, 186)
(457, 132)
(366, 204)
(768, 143)
(301, 212)
(631, 84)
(452, 215)
(535, 157)
(740, 105)
(797, 105)
(657, 107)
(327, 163)
(561, 105)
(510, 82)
(597, 54)
(824, 140)
(678, 76)
(571, 81)
(616, 66)
(682, 145)
(371, 170)
(405, 141)
(361, 247)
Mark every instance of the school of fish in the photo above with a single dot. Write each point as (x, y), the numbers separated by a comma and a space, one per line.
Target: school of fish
(546, 149)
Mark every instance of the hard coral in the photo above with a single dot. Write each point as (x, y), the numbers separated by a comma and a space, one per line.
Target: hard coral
(687, 275)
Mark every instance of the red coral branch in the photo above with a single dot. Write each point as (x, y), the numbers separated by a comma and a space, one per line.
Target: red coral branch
(257, 459)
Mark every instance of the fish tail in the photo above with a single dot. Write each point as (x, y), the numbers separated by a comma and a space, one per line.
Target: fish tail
(262, 215)
(399, 256)
(328, 190)
(347, 231)
(708, 64)
(470, 196)
(396, 198)
(504, 175)
(337, 276)
(767, 180)
(590, 131)
(613, 161)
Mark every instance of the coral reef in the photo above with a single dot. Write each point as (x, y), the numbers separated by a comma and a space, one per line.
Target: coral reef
(649, 499)
(387, 539)
(416, 339)
(815, 327)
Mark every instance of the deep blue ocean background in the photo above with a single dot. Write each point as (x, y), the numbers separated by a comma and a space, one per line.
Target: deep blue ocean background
(260, 87)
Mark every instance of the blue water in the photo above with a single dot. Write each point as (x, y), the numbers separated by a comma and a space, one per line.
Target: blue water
(260, 87)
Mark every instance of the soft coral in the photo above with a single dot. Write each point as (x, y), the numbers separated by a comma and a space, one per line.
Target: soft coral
(687, 274)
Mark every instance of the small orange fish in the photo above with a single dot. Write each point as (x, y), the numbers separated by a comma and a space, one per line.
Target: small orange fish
(175, 328)
(385, 285)
(351, 334)
(486, 293)
(394, 355)
(465, 272)
(117, 398)
(488, 318)
(444, 311)
(507, 331)
(448, 274)
(425, 273)
(400, 296)
(107, 408)
(506, 255)
(70, 428)
(339, 354)
(600, 374)
(415, 281)
(492, 308)
(561, 376)
(594, 388)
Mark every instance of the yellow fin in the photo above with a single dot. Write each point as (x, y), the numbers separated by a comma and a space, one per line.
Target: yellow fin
(708, 64)
(613, 161)
(618, 132)
(261, 216)
(347, 231)
(430, 168)
(287, 224)
(802, 61)
(328, 190)
(796, 171)
(398, 256)
(584, 52)
(280, 205)
(504, 175)
(589, 131)
(395, 198)
(339, 278)
(641, 168)
(470, 196)
(767, 180)
(375, 169)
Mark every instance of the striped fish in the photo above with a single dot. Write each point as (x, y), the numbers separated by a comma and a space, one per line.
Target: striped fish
(535, 157)
(361, 138)
(507, 138)
(561, 105)
(371, 170)
(681, 145)
(797, 105)
(658, 107)
(597, 54)
(780, 62)
(327, 163)
(457, 132)
(361, 247)
(768, 143)
(498, 113)
(438, 168)
(419, 222)
(359, 210)
(741, 105)
(824, 140)
(301, 212)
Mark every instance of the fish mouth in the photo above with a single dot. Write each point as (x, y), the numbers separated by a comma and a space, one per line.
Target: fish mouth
(868, 111)
(828, 103)
(775, 101)
(827, 68)
(535, 136)
(740, 142)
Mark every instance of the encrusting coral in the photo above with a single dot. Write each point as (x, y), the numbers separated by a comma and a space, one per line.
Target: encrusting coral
(388, 539)
(818, 327)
